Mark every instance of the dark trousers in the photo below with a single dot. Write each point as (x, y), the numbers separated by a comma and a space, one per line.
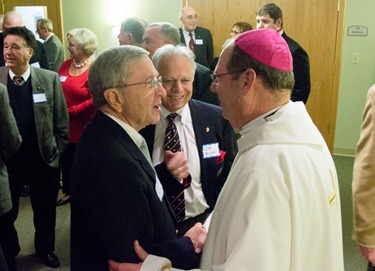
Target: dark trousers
(44, 185)
(66, 166)
(3, 264)
(370, 267)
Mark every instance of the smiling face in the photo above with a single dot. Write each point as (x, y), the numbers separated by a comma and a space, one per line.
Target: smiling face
(189, 19)
(16, 53)
(227, 89)
(178, 76)
(75, 50)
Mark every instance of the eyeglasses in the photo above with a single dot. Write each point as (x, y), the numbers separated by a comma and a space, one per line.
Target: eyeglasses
(153, 83)
(234, 32)
(215, 77)
(190, 17)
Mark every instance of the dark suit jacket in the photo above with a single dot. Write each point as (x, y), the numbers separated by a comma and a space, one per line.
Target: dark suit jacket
(38, 53)
(202, 86)
(209, 127)
(52, 55)
(51, 116)
(204, 53)
(113, 202)
(10, 141)
(301, 70)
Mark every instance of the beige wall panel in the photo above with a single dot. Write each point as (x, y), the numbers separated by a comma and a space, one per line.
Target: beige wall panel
(53, 10)
(312, 23)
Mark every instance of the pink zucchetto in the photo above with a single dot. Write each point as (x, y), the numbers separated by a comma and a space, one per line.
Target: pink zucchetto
(268, 47)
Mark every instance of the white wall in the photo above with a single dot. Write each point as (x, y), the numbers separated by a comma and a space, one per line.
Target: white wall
(355, 78)
(100, 16)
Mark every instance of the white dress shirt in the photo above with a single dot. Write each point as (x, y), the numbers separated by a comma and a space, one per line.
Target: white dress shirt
(195, 202)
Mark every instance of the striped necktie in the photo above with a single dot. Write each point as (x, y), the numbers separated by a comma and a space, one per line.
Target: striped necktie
(17, 80)
(191, 42)
(172, 143)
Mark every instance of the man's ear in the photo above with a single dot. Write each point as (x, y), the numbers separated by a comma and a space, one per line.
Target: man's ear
(114, 99)
(279, 23)
(248, 84)
(31, 52)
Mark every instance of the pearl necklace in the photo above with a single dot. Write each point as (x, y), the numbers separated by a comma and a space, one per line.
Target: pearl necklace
(78, 66)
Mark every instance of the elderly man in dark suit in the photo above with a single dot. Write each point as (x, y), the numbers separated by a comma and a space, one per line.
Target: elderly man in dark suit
(271, 16)
(39, 107)
(159, 34)
(10, 141)
(205, 138)
(52, 55)
(197, 38)
(112, 166)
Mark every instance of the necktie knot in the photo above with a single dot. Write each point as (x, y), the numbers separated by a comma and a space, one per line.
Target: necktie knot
(171, 117)
(17, 80)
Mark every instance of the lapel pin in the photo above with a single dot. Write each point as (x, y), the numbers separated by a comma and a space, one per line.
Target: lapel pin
(207, 129)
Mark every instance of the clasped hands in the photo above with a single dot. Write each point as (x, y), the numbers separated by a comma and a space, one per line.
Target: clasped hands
(197, 234)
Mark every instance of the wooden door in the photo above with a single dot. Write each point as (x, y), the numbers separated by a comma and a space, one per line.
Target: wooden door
(53, 11)
(315, 24)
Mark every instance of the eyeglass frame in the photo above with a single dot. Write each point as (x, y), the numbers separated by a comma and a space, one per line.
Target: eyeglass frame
(234, 32)
(155, 82)
(215, 77)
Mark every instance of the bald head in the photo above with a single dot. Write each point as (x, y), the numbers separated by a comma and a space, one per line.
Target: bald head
(13, 18)
(188, 18)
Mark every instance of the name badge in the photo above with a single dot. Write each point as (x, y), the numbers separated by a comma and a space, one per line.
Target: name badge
(39, 98)
(211, 150)
(63, 78)
(199, 42)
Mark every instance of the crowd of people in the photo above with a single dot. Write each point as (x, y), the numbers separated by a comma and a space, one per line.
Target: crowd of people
(198, 162)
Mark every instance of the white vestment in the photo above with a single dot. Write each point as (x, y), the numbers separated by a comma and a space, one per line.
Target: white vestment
(280, 207)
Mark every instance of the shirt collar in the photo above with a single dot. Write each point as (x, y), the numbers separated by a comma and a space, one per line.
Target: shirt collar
(134, 135)
(25, 75)
(187, 33)
(183, 113)
(49, 36)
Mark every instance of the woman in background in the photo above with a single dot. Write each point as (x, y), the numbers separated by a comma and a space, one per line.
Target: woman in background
(82, 44)
(237, 29)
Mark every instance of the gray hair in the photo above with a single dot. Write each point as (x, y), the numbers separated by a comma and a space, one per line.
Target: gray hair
(135, 26)
(84, 38)
(111, 69)
(45, 24)
(272, 78)
(169, 31)
(171, 50)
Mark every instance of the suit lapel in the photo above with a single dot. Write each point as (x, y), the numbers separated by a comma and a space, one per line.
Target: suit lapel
(4, 71)
(124, 139)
